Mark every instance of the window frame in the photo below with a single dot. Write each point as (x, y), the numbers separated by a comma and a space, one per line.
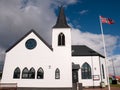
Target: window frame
(17, 72)
(31, 73)
(61, 39)
(40, 73)
(25, 73)
(103, 72)
(31, 43)
(86, 72)
(57, 73)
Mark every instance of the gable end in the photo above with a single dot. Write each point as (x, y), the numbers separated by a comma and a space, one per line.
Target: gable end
(32, 30)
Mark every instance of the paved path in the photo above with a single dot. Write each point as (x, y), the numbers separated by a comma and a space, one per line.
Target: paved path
(112, 88)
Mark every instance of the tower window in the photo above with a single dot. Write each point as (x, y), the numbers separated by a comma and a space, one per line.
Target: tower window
(16, 73)
(61, 39)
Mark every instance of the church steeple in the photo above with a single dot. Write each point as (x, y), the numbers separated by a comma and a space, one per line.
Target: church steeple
(61, 20)
(61, 35)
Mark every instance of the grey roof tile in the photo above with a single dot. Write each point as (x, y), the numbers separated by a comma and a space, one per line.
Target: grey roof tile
(82, 50)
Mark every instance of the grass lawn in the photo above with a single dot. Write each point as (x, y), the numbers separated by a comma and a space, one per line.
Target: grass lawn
(115, 85)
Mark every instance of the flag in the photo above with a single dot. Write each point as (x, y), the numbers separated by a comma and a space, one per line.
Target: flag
(106, 20)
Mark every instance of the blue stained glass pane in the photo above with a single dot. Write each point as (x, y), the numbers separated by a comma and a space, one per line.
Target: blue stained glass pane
(30, 43)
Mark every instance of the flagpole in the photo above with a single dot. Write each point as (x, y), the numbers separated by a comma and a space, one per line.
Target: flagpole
(104, 46)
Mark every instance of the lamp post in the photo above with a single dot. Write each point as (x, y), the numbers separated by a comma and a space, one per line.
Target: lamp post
(114, 81)
(113, 69)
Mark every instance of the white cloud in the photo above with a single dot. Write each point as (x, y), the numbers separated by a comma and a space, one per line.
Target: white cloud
(2, 55)
(65, 2)
(83, 12)
(116, 64)
(71, 1)
(15, 22)
(94, 40)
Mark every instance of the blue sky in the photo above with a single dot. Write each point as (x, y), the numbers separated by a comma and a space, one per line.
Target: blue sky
(89, 19)
(17, 17)
(84, 15)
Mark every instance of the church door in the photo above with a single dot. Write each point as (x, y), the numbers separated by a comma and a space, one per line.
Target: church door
(74, 76)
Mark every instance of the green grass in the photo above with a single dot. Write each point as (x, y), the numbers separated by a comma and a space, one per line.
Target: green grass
(115, 85)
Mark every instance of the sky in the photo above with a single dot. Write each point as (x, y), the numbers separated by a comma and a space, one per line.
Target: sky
(17, 17)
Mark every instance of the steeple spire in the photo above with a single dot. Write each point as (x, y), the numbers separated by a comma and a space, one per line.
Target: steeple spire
(61, 20)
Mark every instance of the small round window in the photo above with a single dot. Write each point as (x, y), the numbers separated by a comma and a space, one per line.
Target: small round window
(30, 43)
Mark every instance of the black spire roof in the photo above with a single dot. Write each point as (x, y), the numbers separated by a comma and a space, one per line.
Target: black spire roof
(61, 20)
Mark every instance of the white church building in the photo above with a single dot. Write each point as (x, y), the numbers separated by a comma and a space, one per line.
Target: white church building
(33, 63)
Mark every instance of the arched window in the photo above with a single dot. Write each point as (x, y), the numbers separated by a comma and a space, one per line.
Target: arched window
(61, 39)
(25, 73)
(86, 71)
(40, 73)
(31, 73)
(103, 73)
(16, 73)
(57, 74)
